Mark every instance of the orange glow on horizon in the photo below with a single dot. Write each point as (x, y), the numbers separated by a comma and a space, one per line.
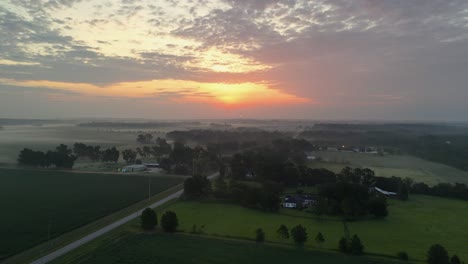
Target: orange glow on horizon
(225, 95)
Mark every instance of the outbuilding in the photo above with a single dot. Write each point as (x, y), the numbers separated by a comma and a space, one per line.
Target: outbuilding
(134, 168)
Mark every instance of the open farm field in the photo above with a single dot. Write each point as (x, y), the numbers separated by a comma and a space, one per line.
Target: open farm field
(403, 166)
(411, 226)
(161, 248)
(36, 202)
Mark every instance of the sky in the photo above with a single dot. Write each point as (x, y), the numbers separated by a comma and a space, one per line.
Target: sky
(182, 59)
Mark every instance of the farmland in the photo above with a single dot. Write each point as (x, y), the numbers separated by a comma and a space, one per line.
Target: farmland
(411, 226)
(131, 247)
(33, 202)
(391, 165)
(15, 138)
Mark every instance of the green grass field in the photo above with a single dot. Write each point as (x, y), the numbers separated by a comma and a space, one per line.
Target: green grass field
(411, 226)
(176, 248)
(31, 200)
(391, 165)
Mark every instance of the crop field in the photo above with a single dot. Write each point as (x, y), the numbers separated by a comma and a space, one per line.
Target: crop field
(411, 226)
(36, 202)
(391, 165)
(177, 248)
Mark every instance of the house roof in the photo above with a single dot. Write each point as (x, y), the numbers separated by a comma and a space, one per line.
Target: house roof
(384, 192)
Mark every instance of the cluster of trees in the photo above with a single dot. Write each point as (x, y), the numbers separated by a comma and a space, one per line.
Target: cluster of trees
(264, 197)
(178, 159)
(91, 152)
(186, 160)
(298, 234)
(351, 196)
(403, 187)
(149, 220)
(158, 149)
(268, 164)
(94, 153)
(457, 190)
(145, 139)
(259, 197)
(205, 136)
(348, 193)
(351, 245)
(61, 157)
(437, 254)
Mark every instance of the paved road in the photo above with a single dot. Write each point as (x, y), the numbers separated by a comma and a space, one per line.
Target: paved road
(106, 229)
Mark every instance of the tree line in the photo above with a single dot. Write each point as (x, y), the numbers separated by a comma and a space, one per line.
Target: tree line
(61, 157)
(65, 157)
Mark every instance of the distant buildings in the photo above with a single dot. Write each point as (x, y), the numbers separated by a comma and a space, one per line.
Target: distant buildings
(298, 201)
(134, 168)
(147, 167)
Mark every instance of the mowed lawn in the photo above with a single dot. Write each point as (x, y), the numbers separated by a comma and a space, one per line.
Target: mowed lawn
(402, 166)
(32, 201)
(178, 249)
(411, 226)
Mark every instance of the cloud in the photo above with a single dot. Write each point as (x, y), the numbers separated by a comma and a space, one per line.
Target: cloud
(331, 52)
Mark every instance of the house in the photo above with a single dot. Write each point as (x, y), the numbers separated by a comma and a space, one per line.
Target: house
(134, 168)
(386, 193)
(298, 201)
(290, 203)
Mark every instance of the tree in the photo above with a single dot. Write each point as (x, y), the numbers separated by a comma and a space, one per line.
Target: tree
(319, 238)
(149, 219)
(403, 192)
(147, 150)
(62, 157)
(145, 138)
(402, 255)
(343, 245)
(437, 254)
(299, 234)
(129, 155)
(110, 155)
(220, 187)
(196, 187)
(356, 247)
(378, 207)
(259, 235)
(169, 222)
(455, 260)
(283, 232)
(270, 201)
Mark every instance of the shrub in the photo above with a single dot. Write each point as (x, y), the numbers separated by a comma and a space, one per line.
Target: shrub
(402, 255)
(437, 254)
(356, 247)
(319, 238)
(299, 234)
(455, 260)
(169, 222)
(259, 235)
(283, 232)
(148, 219)
(343, 245)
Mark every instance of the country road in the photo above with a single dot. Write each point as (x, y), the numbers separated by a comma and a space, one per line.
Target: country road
(86, 239)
